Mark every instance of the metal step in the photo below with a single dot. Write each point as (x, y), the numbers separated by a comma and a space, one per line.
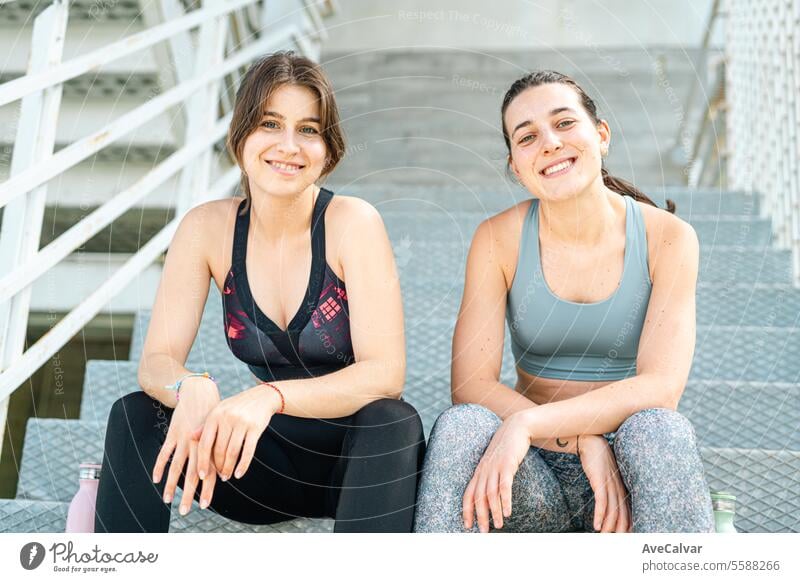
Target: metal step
(725, 413)
(766, 484)
(457, 226)
(727, 264)
(737, 351)
(25, 11)
(494, 199)
(33, 516)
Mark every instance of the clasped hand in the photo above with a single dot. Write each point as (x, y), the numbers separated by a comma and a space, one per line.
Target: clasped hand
(489, 490)
(209, 436)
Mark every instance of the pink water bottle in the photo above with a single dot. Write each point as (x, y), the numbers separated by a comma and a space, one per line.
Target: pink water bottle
(80, 517)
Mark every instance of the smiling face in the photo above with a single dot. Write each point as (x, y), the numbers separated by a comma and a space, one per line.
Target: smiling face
(554, 144)
(286, 153)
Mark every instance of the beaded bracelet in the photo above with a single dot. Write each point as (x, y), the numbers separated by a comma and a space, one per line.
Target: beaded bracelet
(177, 385)
(283, 402)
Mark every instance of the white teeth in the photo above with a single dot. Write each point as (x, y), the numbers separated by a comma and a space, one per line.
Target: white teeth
(557, 168)
(285, 167)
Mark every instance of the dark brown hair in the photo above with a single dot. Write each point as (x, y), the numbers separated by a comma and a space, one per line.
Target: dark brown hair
(537, 78)
(259, 83)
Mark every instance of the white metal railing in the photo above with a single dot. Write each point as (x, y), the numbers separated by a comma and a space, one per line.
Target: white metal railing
(762, 43)
(278, 24)
(700, 143)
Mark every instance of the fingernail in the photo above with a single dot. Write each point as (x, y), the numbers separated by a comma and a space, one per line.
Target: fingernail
(184, 509)
(203, 503)
(224, 477)
(238, 474)
(167, 498)
(202, 474)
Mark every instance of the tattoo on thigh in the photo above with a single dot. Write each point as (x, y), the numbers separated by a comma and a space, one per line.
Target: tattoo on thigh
(561, 444)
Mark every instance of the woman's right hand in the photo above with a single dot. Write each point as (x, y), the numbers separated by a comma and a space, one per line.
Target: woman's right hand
(198, 397)
(611, 506)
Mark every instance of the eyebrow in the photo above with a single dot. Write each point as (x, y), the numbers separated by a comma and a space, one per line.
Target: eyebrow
(555, 111)
(279, 116)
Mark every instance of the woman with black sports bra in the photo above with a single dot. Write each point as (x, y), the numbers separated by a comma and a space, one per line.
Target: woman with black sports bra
(324, 433)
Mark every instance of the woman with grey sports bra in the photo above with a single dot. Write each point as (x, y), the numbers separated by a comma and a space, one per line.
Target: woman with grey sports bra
(603, 337)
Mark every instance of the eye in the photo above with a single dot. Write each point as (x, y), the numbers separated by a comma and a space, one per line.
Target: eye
(565, 123)
(308, 130)
(528, 138)
(270, 124)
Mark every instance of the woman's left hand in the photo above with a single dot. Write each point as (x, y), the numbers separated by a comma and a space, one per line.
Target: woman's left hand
(233, 427)
(490, 487)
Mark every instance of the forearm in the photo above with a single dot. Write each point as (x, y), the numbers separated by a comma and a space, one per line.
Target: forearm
(600, 411)
(157, 371)
(343, 392)
(505, 401)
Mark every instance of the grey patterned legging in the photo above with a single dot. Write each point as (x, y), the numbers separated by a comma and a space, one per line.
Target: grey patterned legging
(655, 450)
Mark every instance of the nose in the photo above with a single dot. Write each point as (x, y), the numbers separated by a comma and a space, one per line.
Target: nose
(287, 143)
(550, 142)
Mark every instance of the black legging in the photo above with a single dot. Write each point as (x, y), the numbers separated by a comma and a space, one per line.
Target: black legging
(361, 470)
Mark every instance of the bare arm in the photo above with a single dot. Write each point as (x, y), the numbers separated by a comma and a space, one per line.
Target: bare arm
(376, 326)
(178, 307)
(478, 340)
(666, 348)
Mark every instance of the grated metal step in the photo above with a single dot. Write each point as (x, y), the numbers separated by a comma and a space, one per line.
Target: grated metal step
(459, 227)
(33, 516)
(503, 195)
(725, 413)
(765, 353)
(766, 484)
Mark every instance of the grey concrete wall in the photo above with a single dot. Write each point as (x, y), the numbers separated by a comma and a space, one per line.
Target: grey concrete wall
(516, 24)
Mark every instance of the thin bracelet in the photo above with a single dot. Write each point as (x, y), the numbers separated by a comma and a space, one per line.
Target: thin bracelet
(177, 385)
(283, 402)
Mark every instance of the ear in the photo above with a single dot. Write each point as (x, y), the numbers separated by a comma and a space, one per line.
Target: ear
(605, 133)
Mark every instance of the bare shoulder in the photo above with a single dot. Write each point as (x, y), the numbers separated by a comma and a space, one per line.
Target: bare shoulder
(497, 238)
(347, 208)
(352, 218)
(212, 223)
(669, 237)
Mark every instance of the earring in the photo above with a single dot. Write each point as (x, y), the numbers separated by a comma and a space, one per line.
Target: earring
(604, 151)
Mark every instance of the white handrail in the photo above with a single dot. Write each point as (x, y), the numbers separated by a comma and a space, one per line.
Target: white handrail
(18, 88)
(51, 342)
(109, 211)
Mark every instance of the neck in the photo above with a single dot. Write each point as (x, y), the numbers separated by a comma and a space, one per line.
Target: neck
(583, 220)
(277, 218)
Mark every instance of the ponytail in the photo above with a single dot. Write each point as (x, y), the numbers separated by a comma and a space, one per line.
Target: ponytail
(625, 188)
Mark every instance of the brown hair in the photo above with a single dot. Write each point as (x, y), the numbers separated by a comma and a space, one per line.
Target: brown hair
(538, 78)
(260, 81)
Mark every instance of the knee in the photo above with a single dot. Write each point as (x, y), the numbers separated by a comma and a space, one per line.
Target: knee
(392, 414)
(657, 428)
(136, 410)
(469, 420)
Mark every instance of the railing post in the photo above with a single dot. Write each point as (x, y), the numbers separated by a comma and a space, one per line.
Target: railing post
(203, 109)
(23, 216)
(280, 13)
(174, 59)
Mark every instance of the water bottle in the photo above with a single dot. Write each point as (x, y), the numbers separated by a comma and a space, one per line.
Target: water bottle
(80, 517)
(724, 505)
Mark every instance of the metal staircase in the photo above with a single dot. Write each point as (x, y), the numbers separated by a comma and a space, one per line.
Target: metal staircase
(426, 151)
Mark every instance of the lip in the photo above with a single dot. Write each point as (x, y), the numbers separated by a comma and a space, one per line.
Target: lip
(285, 171)
(560, 172)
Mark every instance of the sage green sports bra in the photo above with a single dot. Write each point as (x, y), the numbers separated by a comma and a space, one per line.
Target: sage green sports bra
(555, 338)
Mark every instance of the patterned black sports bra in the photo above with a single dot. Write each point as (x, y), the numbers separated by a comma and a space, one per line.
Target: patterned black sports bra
(317, 340)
